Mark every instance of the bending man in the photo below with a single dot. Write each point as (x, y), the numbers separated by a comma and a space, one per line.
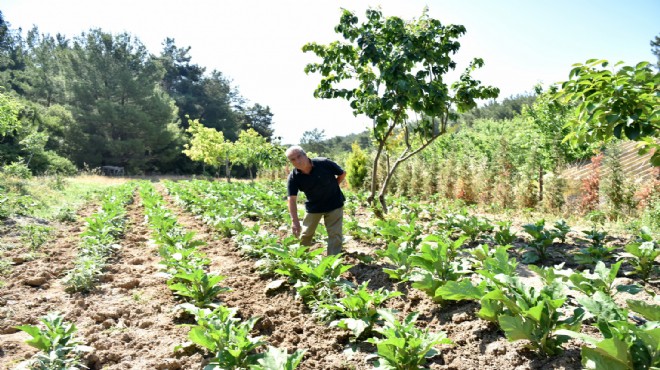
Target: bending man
(319, 179)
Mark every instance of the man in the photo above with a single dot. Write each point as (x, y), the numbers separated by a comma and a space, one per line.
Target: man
(319, 179)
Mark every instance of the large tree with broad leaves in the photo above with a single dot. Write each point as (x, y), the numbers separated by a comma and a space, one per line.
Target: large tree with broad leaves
(392, 70)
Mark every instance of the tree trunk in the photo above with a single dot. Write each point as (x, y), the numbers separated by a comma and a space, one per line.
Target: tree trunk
(227, 171)
(540, 183)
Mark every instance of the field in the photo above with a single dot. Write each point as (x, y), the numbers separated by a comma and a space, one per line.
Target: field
(131, 309)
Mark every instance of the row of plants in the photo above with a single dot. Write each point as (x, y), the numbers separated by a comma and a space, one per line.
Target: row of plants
(319, 283)
(448, 270)
(217, 327)
(440, 266)
(534, 247)
(99, 240)
(55, 338)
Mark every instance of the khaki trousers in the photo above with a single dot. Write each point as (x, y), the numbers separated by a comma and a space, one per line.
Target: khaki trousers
(333, 223)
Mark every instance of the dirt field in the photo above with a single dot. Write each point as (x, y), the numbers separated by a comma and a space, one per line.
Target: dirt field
(131, 322)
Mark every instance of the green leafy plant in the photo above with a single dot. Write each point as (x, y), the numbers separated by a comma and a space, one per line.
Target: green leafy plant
(198, 286)
(596, 250)
(642, 255)
(403, 346)
(561, 230)
(399, 256)
(358, 308)
(626, 345)
(472, 226)
(36, 235)
(84, 275)
(278, 359)
(533, 315)
(437, 264)
(538, 245)
(504, 236)
(225, 335)
(59, 347)
(602, 279)
(318, 281)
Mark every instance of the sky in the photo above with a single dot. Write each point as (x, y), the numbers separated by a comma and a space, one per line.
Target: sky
(257, 44)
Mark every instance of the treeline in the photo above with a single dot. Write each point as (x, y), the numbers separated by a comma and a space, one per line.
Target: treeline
(102, 99)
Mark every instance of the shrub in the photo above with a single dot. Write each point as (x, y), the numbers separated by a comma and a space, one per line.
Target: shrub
(17, 169)
(356, 167)
(590, 185)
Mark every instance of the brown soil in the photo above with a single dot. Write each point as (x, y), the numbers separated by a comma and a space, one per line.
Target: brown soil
(131, 321)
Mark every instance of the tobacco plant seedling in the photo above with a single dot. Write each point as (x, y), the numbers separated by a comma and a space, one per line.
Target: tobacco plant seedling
(225, 335)
(437, 264)
(561, 230)
(198, 286)
(538, 245)
(278, 359)
(504, 236)
(59, 347)
(318, 281)
(642, 255)
(399, 256)
(535, 315)
(84, 274)
(596, 250)
(403, 346)
(358, 309)
(626, 345)
(602, 279)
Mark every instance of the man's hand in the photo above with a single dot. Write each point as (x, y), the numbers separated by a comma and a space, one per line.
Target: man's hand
(296, 229)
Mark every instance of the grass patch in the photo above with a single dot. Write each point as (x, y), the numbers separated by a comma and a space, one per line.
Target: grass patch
(50, 197)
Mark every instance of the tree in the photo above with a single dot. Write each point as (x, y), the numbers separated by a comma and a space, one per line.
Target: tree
(126, 118)
(9, 110)
(314, 141)
(251, 150)
(397, 68)
(621, 103)
(258, 118)
(655, 48)
(209, 146)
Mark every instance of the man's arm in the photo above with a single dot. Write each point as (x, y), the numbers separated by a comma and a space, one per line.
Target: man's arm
(341, 178)
(293, 211)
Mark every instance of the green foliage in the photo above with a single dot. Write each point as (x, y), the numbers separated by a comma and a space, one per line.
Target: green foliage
(358, 309)
(602, 279)
(9, 110)
(642, 255)
(614, 103)
(395, 77)
(17, 169)
(399, 255)
(562, 229)
(403, 346)
(437, 264)
(36, 235)
(542, 238)
(596, 250)
(226, 336)
(356, 167)
(197, 286)
(319, 278)
(625, 345)
(278, 359)
(534, 315)
(504, 236)
(57, 342)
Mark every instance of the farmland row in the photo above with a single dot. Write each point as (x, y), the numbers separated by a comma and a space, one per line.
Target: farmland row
(440, 267)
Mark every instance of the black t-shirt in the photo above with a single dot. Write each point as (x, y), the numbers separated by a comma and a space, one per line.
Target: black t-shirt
(320, 186)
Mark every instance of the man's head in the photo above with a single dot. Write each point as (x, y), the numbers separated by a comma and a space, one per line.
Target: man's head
(296, 155)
